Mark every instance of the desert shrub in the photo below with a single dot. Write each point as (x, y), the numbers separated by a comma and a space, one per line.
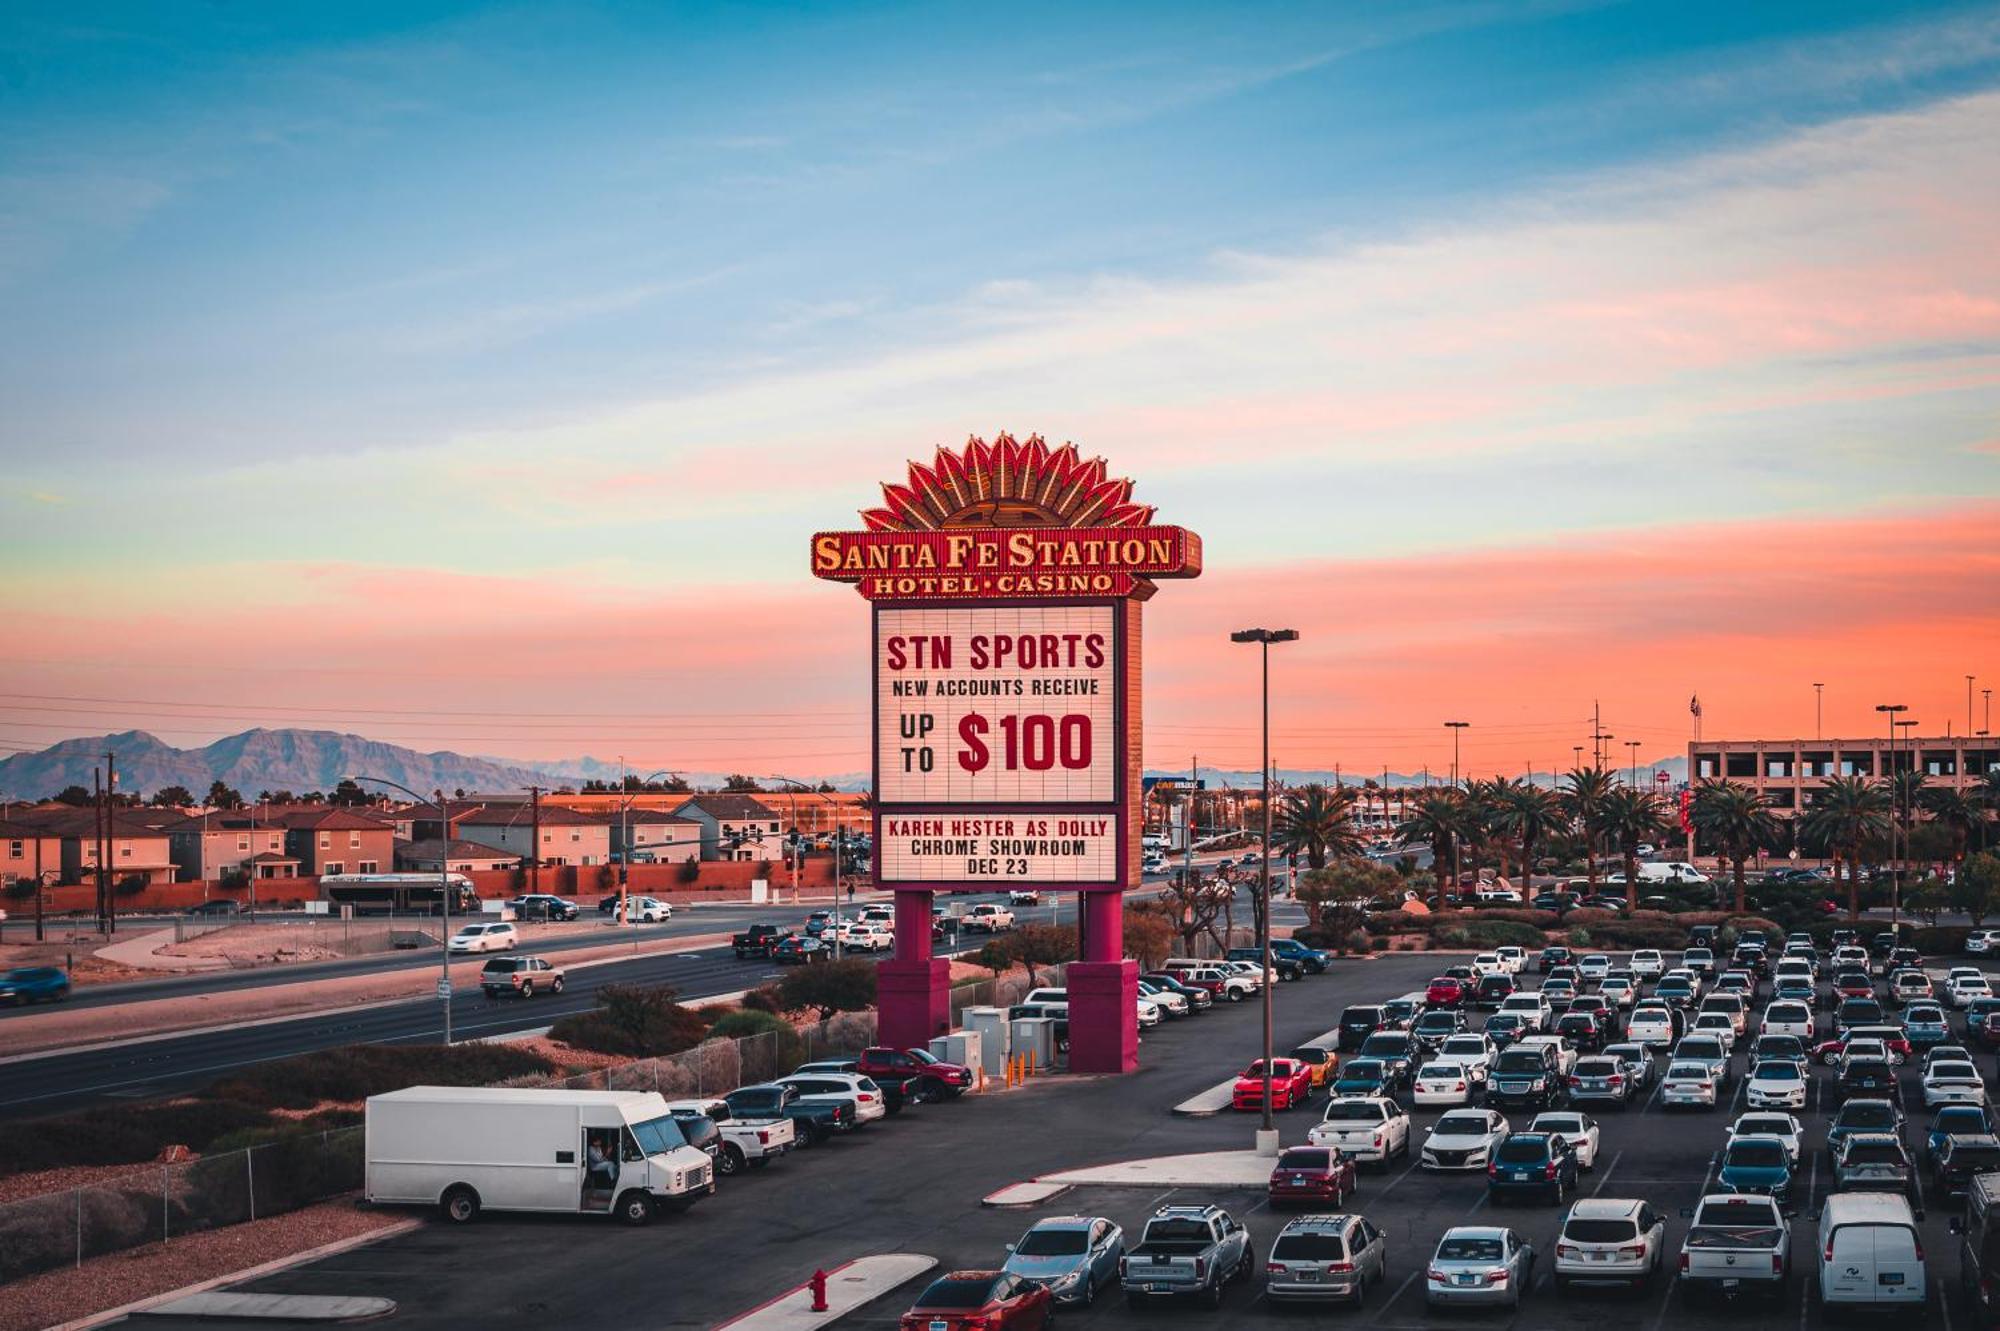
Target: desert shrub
(121, 1134)
(1638, 933)
(1947, 940)
(37, 1234)
(355, 1072)
(1579, 938)
(1487, 934)
(689, 872)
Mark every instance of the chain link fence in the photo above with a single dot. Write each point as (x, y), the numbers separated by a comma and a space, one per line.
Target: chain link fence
(161, 1203)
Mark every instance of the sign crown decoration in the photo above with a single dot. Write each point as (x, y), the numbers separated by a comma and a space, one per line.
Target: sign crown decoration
(1009, 482)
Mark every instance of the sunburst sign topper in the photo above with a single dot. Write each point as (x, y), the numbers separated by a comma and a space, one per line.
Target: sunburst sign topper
(1012, 519)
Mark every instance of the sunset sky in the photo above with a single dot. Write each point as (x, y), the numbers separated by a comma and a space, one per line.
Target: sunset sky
(472, 377)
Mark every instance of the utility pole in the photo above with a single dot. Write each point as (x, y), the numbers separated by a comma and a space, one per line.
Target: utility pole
(535, 839)
(1819, 697)
(1968, 703)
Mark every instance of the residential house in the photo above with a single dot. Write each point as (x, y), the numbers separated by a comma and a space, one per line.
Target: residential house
(735, 827)
(568, 837)
(334, 840)
(459, 856)
(29, 852)
(664, 837)
(136, 849)
(226, 842)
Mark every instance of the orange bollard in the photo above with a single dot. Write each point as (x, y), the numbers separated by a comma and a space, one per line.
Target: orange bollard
(819, 1291)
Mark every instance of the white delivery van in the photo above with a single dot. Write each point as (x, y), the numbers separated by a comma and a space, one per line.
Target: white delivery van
(1869, 1255)
(467, 1148)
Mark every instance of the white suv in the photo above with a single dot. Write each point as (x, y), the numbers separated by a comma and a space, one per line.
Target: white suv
(1648, 964)
(484, 938)
(1610, 1238)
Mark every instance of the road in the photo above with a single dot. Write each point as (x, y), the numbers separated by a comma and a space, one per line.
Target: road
(912, 1184)
(165, 1065)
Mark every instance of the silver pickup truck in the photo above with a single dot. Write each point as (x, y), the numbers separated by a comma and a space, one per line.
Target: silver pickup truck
(1737, 1244)
(1187, 1251)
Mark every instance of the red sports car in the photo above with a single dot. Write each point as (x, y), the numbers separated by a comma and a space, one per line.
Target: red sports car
(1312, 1174)
(1291, 1084)
(981, 1301)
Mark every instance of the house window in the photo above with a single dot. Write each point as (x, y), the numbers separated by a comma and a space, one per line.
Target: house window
(333, 866)
(125, 850)
(548, 837)
(1741, 764)
(354, 841)
(17, 850)
(326, 841)
(243, 843)
(774, 827)
(367, 866)
(575, 835)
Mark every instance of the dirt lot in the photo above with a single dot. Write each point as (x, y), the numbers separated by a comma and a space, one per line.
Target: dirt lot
(74, 954)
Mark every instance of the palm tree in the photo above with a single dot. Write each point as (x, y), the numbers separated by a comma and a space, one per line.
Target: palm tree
(1630, 817)
(1583, 797)
(1849, 811)
(1736, 822)
(1958, 813)
(1317, 823)
(1439, 819)
(1528, 814)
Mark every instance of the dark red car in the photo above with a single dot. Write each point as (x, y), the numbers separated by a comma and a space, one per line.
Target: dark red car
(1445, 992)
(1854, 984)
(980, 1301)
(1312, 1174)
(923, 1076)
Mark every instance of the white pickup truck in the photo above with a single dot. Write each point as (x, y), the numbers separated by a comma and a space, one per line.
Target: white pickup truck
(1737, 1244)
(1364, 1127)
(746, 1142)
(986, 917)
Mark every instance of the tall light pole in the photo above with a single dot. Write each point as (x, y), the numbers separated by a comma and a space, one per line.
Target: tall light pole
(1457, 863)
(1456, 727)
(1893, 709)
(1987, 728)
(1267, 1136)
(444, 890)
(839, 850)
(1633, 745)
(624, 841)
(1968, 703)
(1819, 697)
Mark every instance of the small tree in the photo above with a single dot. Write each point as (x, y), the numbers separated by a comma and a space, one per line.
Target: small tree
(220, 796)
(738, 784)
(1190, 907)
(350, 793)
(1334, 896)
(647, 1019)
(1976, 891)
(833, 986)
(689, 872)
(1149, 935)
(75, 796)
(172, 797)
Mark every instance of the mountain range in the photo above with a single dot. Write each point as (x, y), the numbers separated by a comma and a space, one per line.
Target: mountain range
(306, 760)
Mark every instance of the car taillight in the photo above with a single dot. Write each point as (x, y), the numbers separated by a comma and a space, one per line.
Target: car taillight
(866, 1098)
(1576, 1081)
(1827, 1256)
(1684, 1262)
(1617, 1081)
(763, 1137)
(1920, 1249)
(1201, 1268)
(1497, 1277)
(1492, 1170)
(1440, 1277)
(1549, 1170)
(1378, 1139)
(1125, 1264)
(1632, 1250)
(1566, 1250)
(1339, 1268)
(1458, 1086)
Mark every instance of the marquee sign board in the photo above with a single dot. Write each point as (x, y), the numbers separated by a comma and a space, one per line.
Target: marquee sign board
(997, 704)
(999, 847)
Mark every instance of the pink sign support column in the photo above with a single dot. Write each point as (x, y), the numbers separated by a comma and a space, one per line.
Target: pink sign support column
(1103, 991)
(913, 992)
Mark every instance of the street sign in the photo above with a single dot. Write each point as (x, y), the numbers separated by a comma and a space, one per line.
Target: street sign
(444, 988)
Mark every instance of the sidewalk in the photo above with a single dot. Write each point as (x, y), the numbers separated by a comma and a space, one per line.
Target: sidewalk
(143, 953)
(848, 1287)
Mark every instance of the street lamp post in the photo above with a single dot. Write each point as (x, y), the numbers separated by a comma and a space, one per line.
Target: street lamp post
(839, 851)
(444, 890)
(1819, 697)
(1893, 709)
(1267, 1135)
(625, 843)
(1457, 862)
(1633, 745)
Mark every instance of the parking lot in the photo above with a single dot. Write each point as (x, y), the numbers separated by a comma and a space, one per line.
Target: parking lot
(914, 1183)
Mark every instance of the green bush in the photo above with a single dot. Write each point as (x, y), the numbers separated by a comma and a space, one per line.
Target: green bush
(1944, 940)
(127, 1134)
(1485, 934)
(1621, 934)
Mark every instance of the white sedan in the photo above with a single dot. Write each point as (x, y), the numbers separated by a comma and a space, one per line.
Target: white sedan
(1148, 1012)
(1463, 1139)
(644, 910)
(1782, 1126)
(1579, 1130)
(1953, 1083)
(1719, 1025)
(1619, 991)
(1513, 958)
(1488, 963)
(1473, 1051)
(1965, 988)
(1776, 1083)
(1441, 1082)
(484, 938)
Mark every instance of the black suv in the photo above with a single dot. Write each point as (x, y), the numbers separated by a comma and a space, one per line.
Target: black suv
(1492, 990)
(1961, 1158)
(1527, 1076)
(543, 906)
(1437, 1026)
(1535, 1162)
(1584, 1030)
(1356, 1025)
(1398, 1052)
(1552, 957)
(1870, 1078)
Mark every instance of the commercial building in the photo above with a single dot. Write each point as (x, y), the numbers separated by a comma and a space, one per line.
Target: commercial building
(1789, 771)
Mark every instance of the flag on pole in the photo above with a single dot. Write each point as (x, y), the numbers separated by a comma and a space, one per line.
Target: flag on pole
(1694, 704)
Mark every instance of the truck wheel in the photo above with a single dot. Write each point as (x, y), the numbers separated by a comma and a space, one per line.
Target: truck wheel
(635, 1208)
(555, 985)
(1212, 1296)
(460, 1204)
(1236, 995)
(527, 988)
(730, 1161)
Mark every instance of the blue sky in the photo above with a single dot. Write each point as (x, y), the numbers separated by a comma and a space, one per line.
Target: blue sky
(301, 296)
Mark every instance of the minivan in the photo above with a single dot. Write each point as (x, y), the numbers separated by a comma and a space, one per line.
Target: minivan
(1869, 1253)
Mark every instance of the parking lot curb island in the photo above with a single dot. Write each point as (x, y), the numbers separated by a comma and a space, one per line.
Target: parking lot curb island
(848, 1287)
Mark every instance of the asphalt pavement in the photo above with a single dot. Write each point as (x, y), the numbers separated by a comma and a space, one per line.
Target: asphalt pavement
(913, 1184)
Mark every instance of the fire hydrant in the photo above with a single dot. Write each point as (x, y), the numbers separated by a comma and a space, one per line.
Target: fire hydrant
(819, 1291)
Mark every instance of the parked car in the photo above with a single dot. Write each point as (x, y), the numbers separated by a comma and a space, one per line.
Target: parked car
(1600, 1079)
(543, 906)
(1323, 1257)
(1952, 1121)
(1291, 1085)
(1578, 1131)
(1784, 1127)
(923, 1076)
(733, 1144)
(1876, 1161)
(1540, 1163)
(1357, 1023)
(1619, 1239)
(1397, 1051)
(1950, 1082)
(1688, 1083)
(814, 1119)
(1463, 1139)
(1363, 1128)
(1776, 1084)
(988, 918)
(1870, 1078)
(845, 1087)
(1637, 1062)
(1479, 1264)
(34, 984)
(1756, 1164)
(1962, 1158)
(1737, 1244)
(1863, 1116)
(1315, 1175)
(484, 936)
(1075, 1256)
(1187, 1251)
(965, 1299)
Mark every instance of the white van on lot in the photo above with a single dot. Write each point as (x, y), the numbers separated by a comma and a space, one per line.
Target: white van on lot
(1869, 1256)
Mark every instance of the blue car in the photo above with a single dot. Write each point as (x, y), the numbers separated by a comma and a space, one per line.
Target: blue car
(1925, 1024)
(1756, 1163)
(1363, 1076)
(1075, 1256)
(1541, 1163)
(1955, 1121)
(1310, 960)
(34, 984)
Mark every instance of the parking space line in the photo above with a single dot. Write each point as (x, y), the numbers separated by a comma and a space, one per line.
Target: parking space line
(1390, 1302)
(1609, 1170)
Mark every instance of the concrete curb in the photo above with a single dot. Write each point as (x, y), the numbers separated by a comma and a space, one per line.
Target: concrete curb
(271, 1267)
(849, 1286)
(1209, 1102)
(1031, 1193)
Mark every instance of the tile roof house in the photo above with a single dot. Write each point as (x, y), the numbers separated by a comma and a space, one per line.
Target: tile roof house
(336, 840)
(227, 842)
(568, 837)
(135, 847)
(735, 827)
(459, 856)
(666, 836)
(29, 852)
